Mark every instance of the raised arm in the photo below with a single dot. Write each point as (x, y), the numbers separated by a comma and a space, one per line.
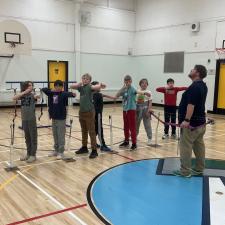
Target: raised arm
(144, 93)
(21, 94)
(161, 89)
(181, 88)
(97, 87)
(76, 85)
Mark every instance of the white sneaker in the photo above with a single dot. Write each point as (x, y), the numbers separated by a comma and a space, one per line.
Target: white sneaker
(149, 142)
(165, 136)
(31, 159)
(24, 157)
(60, 156)
(53, 153)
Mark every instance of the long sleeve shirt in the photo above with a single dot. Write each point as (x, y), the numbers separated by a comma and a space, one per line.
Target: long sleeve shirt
(170, 95)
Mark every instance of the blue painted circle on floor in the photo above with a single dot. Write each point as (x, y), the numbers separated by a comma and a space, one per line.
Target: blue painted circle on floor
(132, 194)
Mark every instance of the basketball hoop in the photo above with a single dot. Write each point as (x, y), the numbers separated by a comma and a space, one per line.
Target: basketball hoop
(12, 44)
(220, 53)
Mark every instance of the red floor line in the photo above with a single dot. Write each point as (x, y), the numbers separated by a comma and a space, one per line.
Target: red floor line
(125, 157)
(47, 214)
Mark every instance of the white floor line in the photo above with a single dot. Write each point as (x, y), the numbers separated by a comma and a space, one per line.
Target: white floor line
(217, 200)
(57, 203)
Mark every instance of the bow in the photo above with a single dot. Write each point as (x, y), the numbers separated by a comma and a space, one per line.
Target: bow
(15, 108)
(42, 102)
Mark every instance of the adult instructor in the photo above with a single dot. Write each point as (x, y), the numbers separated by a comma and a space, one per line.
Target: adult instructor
(192, 119)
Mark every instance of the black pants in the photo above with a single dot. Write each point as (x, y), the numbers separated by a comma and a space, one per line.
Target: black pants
(170, 116)
(99, 128)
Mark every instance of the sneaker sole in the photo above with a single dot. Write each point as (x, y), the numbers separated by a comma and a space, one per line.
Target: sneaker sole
(180, 175)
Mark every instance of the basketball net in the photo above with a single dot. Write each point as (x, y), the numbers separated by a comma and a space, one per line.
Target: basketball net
(220, 53)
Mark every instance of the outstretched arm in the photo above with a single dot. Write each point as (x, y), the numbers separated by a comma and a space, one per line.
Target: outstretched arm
(120, 92)
(97, 87)
(108, 96)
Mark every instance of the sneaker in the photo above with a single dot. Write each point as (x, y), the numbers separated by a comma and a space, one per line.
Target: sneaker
(98, 146)
(133, 147)
(179, 174)
(60, 156)
(124, 144)
(24, 157)
(174, 136)
(105, 148)
(93, 154)
(31, 159)
(195, 172)
(165, 136)
(53, 153)
(82, 150)
(149, 142)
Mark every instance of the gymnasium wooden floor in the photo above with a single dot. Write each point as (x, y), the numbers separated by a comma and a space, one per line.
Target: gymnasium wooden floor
(47, 186)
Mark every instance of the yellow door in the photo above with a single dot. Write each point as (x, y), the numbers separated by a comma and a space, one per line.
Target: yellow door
(57, 71)
(221, 88)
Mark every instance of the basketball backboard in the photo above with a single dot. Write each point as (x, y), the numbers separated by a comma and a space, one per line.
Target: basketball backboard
(15, 39)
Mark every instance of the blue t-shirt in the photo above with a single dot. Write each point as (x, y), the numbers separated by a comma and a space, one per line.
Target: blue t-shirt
(129, 98)
(196, 95)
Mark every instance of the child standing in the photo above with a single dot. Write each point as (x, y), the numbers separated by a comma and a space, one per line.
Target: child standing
(128, 93)
(28, 116)
(170, 108)
(98, 104)
(87, 113)
(57, 112)
(144, 109)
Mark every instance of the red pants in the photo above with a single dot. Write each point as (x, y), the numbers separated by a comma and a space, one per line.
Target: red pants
(129, 124)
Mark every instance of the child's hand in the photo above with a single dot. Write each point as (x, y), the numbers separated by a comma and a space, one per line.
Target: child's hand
(103, 85)
(37, 96)
(148, 94)
(150, 111)
(28, 90)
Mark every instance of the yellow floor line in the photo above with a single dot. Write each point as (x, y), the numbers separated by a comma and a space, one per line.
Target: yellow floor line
(12, 178)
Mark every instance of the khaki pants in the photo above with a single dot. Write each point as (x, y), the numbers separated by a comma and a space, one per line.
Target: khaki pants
(192, 139)
(87, 123)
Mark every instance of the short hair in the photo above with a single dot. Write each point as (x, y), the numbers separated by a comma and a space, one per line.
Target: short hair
(201, 70)
(58, 83)
(170, 80)
(143, 80)
(24, 85)
(127, 78)
(94, 82)
(87, 75)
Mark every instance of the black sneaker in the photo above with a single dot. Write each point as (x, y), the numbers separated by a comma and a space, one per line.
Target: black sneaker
(133, 147)
(82, 150)
(93, 154)
(105, 148)
(124, 144)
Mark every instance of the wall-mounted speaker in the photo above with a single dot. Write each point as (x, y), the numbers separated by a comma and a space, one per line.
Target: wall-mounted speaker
(195, 27)
(84, 18)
